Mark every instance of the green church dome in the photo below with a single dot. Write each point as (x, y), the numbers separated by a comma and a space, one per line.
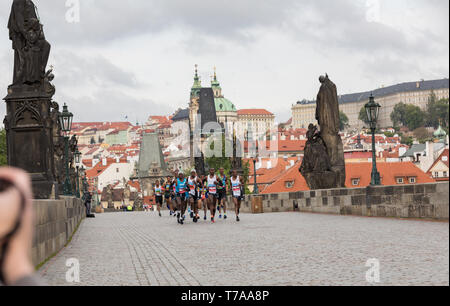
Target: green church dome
(440, 133)
(224, 105)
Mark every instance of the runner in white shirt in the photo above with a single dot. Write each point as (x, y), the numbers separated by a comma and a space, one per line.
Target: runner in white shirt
(237, 191)
(211, 181)
(193, 184)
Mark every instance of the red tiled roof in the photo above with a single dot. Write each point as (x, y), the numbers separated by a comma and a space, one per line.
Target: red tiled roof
(87, 162)
(135, 185)
(445, 153)
(293, 177)
(166, 125)
(362, 171)
(389, 173)
(358, 154)
(279, 146)
(259, 112)
(99, 168)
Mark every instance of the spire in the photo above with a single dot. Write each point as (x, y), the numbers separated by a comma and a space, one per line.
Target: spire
(214, 82)
(197, 81)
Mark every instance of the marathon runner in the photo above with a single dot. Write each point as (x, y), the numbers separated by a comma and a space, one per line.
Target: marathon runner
(181, 197)
(212, 183)
(158, 189)
(236, 186)
(167, 194)
(194, 185)
(222, 194)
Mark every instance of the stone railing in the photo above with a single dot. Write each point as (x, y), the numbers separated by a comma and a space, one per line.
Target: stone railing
(422, 201)
(56, 221)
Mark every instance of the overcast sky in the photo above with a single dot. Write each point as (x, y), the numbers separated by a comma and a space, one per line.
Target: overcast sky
(136, 58)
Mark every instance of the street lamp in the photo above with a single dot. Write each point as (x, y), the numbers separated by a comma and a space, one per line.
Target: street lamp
(373, 110)
(77, 156)
(65, 123)
(255, 186)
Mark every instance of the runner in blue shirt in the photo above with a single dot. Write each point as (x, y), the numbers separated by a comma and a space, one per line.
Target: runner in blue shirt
(181, 197)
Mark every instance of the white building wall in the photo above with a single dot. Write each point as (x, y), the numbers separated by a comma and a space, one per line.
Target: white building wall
(114, 173)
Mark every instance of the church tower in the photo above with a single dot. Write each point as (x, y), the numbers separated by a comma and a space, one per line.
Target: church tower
(215, 85)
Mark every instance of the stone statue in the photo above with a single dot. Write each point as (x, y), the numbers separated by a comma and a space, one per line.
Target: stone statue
(316, 157)
(323, 165)
(327, 111)
(126, 192)
(31, 50)
(58, 143)
(109, 196)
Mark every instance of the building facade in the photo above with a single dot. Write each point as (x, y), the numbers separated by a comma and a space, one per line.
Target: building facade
(416, 93)
(303, 113)
(257, 123)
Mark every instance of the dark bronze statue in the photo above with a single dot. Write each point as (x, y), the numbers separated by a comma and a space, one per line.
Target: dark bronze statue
(31, 50)
(323, 165)
(31, 117)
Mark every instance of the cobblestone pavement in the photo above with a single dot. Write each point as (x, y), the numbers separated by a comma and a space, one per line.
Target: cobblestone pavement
(267, 249)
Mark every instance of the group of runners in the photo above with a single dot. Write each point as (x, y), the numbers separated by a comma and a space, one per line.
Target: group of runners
(198, 192)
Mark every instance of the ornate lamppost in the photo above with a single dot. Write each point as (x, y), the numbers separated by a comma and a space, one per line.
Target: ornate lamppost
(77, 156)
(65, 123)
(373, 110)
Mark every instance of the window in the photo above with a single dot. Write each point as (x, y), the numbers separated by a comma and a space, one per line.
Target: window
(117, 170)
(436, 174)
(400, 180)
(289, 184)
(445, 174)
(412, 180)
(355, 182)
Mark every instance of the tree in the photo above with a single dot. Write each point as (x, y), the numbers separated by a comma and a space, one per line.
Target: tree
(343, 121)
(224, 162)
(407, 140)
(389, 134)
(398, 115)
(3, 149)
(363, 116)
(437, 112)
(408, 115)
(415, 117)
(422, 134)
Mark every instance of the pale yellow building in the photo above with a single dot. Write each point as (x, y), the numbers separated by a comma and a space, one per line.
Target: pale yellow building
(303, 113)
(416, 93)
(255, 122)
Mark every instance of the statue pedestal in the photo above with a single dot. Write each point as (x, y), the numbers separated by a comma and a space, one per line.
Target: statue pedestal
(29, 138)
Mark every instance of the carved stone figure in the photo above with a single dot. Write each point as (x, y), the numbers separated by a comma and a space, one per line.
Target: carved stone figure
(30, 120)
(109, 196)
(324, 165)
(316, 157)
(31, 50)
(126, 192)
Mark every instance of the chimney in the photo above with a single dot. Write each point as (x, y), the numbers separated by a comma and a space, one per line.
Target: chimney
(418, 84)
(269, 164)
(104, 162)
(292, 163)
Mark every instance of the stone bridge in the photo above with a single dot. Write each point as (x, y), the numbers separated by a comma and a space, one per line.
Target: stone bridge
(295, 246)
